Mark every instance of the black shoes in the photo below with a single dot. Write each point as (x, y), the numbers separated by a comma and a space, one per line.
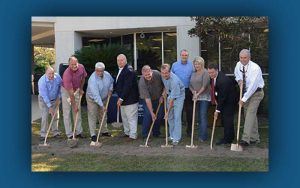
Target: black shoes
(255, 142)
(42, 138)
(244, 143)
(94, 138)
(106, 134)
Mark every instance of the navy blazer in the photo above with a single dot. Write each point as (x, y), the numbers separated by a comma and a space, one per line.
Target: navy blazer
(126, 86)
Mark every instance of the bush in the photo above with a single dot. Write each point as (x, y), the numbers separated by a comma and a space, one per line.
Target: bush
(89, 56)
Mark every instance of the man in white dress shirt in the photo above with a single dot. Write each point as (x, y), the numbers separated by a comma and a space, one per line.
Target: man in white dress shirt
(250, 74)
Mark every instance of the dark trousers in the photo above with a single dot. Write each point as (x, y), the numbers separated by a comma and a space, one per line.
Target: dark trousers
(147, 119)
(227, 116)
(188, 108)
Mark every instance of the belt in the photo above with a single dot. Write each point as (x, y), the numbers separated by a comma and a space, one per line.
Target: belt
(258, 89)
(53, 100)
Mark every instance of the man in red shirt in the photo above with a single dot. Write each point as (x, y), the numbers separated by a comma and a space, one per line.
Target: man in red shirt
(72, 87)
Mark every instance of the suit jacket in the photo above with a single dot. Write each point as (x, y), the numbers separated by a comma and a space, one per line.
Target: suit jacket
(226, 91)
(126, 86)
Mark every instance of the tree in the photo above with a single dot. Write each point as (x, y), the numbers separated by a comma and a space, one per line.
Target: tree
(43, 57)
(235, 33)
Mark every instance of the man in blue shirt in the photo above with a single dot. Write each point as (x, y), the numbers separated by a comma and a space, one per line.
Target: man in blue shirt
(49, 95)
(100, 86)
(174, 88)
(183, 69)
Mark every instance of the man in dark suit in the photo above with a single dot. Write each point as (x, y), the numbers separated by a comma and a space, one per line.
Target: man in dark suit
(226, 99)
(128, 96)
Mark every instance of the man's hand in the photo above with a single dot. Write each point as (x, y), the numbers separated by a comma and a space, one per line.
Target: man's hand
(103, 109)
(51, 111)
(166, 115)
(153, 116)
(119, 103)
(81, 92)
(216, 115)
(109, 93)
(241, 103)
(75, 107)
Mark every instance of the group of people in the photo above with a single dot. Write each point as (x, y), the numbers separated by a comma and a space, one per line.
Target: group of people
(180, 85)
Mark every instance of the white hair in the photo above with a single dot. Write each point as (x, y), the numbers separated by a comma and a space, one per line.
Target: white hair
(246, 52)
(100, 65)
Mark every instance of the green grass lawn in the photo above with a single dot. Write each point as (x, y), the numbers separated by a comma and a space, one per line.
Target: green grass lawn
(49, 161)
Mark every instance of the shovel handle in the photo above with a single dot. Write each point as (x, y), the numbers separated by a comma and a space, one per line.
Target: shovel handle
(76, 117)
(50, 125)
(213, 130)
(151, 127)
(239, 115)
(103, 117)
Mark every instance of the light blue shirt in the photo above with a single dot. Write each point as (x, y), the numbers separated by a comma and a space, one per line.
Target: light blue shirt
(174, 87)
(49, 90)
(183, 71)
(98, 87)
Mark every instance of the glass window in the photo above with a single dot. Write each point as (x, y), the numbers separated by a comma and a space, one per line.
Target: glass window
(148, 50)
(170, 47)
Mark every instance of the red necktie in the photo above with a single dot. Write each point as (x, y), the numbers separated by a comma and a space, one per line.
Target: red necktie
(213, 98)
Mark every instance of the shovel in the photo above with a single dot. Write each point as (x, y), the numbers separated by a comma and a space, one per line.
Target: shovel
(213, 132)
(146, 144)
(50, 125)
(73, 142)
(97, 143)
(193, 125)
(166, 127)
(117, 124)
(237, 147)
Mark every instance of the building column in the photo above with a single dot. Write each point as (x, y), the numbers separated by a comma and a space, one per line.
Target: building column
(66, 43)
(184, 41)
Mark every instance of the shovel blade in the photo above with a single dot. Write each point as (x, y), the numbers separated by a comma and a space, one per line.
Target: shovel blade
(191, 146)
(95, 144)
(72, 143)
(44, 145)
(236, 147)
(144, 146)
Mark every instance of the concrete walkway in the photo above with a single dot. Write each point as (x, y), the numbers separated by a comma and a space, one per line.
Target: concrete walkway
(35, 110)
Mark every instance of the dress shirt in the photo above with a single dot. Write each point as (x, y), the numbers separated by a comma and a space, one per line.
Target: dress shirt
(120, 70)
(183, 71)
(49, 90)
(254, 79)
(72, 80)
(98, 87)
(174, 87)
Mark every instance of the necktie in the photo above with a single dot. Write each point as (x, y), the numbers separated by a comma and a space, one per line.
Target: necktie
(244, 80)
(213, 98)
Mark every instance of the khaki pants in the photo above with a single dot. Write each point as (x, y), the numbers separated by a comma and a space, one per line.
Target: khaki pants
(44, 122)
(129, 114)
(251, 124)
(95, 113)
(67, 110)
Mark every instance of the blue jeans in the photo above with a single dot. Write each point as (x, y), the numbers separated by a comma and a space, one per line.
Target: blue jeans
(147, 119)
(174, 119)
(203, 122)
